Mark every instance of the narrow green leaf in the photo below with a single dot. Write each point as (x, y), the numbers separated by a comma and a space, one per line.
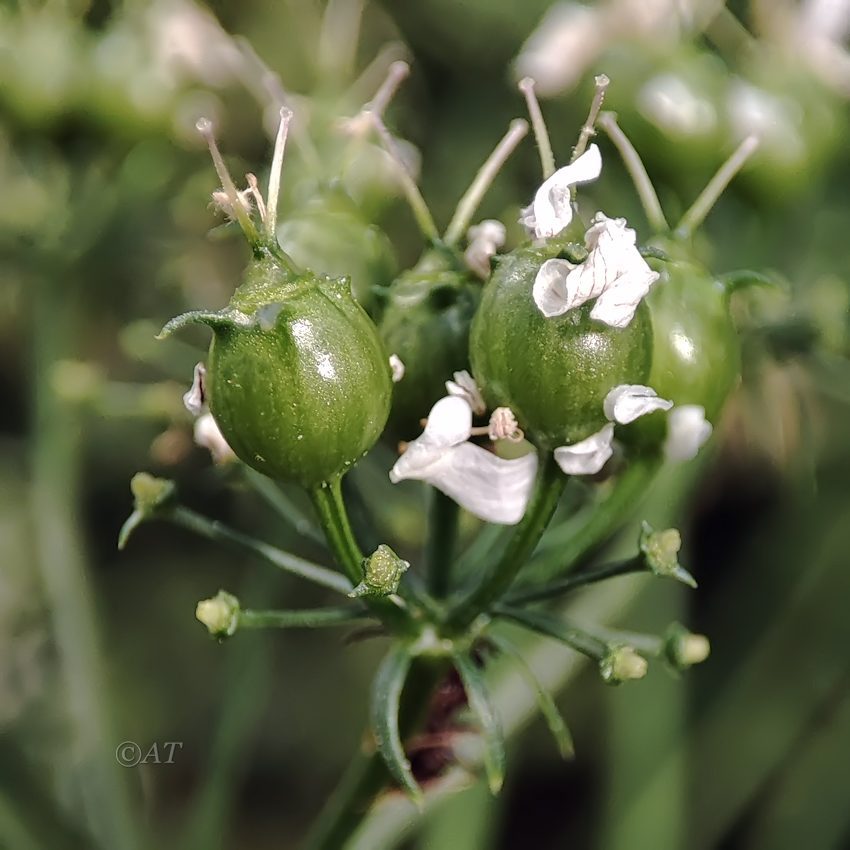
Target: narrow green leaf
(554, 627)
(545, 702)
(482, 706)
(386, 696)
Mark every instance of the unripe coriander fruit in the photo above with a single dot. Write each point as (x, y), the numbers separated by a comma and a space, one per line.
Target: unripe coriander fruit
(553, 373)
(297, 379)
(426, 323)
(330, 236)
(696, 350)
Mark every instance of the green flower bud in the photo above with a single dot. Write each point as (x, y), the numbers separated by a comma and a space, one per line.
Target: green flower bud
(552, 372)
(683, 648)
(220, 614)
(382, 572)
(330, 236)
(151, 496)
(622, 663)
(297, 378)
(661, 551)
(426, 324)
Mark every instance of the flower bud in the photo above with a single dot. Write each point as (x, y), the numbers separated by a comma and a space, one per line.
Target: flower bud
(382, 572)
(554, 372)
(220, 614)
(622, 663)
(150, 496)
(683, 649)
(426, 323)
(297, 378)
(661, 551)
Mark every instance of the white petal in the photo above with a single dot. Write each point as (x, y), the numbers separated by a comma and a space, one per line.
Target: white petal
(687, 431)
(208, 435)
(490, 487)
(397, 367)
(194, 398)
(464, 386)
(449, 423)
(550, 287)
(551, 210)
(614, 273)
(628, 402)
(588, 456)
(484, 240)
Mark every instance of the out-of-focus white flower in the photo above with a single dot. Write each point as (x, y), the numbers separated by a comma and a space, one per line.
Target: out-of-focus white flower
(208, 436)
(484, 239)
(562, 48)
(588, 456)
(464, 386)
(551, 210)
(828, 19)
(494, 489)
(397, 367)
(687, 431)
(675, 108)
(628, 402)
(207, 433)
(614, 273)
(188, 43)
(775, 120)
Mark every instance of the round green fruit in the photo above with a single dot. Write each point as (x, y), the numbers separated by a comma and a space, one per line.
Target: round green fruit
(696, 350)
(330, 236)
(297, 378)
(426, 323)
(554, 373)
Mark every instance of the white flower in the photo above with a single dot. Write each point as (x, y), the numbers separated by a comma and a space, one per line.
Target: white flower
(564, 45)
(397, 367)
(464, 386)
(614, 273)
(627, 402)
(194, 399)
(622, 405)
(209, 436)
(494, 489)
(588, 456)
(503, 426)
(687, 431)
(484, 239)
(551, 210)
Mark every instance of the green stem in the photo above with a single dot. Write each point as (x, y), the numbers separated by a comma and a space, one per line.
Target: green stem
(333, 517)
(545, 624)
(367, 774)
(571, 543)
(559, 588)
(56, 497)
(550, 484)
(442, 537)
(220, 533)
(310, 618)
(271, 493)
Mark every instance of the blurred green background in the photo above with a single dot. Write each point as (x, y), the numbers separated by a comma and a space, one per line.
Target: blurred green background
(104, 224)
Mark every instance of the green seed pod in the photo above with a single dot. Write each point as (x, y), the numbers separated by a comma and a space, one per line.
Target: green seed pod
(554, 373)
(426, 323)
(696, 350)
(297, 379)
(330, 236)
